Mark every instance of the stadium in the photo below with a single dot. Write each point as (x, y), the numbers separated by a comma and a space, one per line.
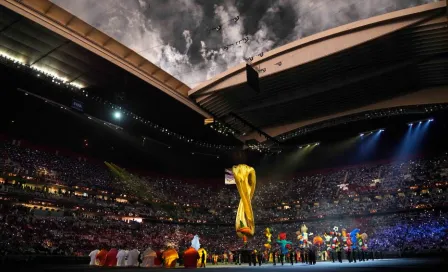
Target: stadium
(228, 135)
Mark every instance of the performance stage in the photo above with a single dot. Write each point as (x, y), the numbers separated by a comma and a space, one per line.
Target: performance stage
(383, 265)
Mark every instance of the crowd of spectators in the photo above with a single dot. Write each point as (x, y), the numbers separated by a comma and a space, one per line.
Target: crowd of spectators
(22, 232)
(397, 203)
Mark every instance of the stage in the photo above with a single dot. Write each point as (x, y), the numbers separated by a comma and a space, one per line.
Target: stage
(383, 265)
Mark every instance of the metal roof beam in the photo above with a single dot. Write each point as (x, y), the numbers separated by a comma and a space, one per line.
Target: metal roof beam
(49, 52)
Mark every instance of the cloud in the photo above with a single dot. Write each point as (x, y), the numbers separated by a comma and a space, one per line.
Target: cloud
(314, 16)
(173, 33)
(188, 40)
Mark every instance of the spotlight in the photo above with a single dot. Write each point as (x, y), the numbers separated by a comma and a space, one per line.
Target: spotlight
(420, 122)
(362, 134)
(381, 130)
(117, 115)
(410, 124)
(430, 120)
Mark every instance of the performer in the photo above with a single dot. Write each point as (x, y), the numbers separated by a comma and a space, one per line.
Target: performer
(364, 248)
(101, 257)
(354, 239)
(158, 261)
(170, 257)
(92, 256)
(191, 257)
(327, 238)
(121, 257)
(225, 257)
(348, 249)
(203, 258)
(339, 247)
(133, 257)
(111, 257)
(149, 257)
(268, 234)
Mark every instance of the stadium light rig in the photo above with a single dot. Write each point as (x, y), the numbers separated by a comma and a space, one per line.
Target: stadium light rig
(367, 133)
(117, 115)
(420, 121)
(308, 145)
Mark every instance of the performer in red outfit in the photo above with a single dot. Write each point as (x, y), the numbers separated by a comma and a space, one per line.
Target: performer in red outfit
(101, 257)
(111, 257)
(158, 259)
(191, 257)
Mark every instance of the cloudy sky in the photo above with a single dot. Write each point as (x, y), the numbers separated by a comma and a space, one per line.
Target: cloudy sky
(188, 38)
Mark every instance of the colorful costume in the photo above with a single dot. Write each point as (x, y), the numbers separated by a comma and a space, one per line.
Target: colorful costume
(101, 257)
(170, 257)
(318, 241)
(200, 252)
(245, 180)
(302, 236)
(133, 257)
(159, 259)
(92, 256)
(364, 237)
(284, 244)
(353, 234)
(268, 234)
(191, 258)
(111, 257)
(121, 257)
(149, 257)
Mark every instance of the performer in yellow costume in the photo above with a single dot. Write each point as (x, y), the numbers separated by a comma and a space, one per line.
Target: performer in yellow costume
(268, 234)
(245, 180)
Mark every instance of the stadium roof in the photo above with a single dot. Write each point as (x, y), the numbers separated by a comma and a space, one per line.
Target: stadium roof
(62, 26)
(40, 34)
(396, 59)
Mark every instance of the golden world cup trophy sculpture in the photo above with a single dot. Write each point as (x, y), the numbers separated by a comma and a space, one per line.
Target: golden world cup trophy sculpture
(245, 180)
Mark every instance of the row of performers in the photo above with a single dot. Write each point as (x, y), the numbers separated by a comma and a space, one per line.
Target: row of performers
(192, 257)
(332, 243)
(134, 257)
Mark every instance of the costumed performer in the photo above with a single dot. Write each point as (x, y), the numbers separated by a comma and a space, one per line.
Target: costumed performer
(268, 234)
(347, 245)
(121, 257)
(318, 241)
(364, 237)
(327, 238)
(159, 259)
(133, 257)
(284, 246)
(353, 234)
(245, 180)
(191, 255)
(149, 257)
(170, 257)
(339, 246)
(101, 257)
(92, 256)
(111, 257)
(202, 257)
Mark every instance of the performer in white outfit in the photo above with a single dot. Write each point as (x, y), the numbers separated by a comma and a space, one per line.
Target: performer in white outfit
(195, 243)
(133, 257)
(92, 256)
(149, 256)
(121, 257)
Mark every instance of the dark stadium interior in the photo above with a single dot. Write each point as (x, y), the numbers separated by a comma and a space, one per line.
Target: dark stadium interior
(104, 171)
